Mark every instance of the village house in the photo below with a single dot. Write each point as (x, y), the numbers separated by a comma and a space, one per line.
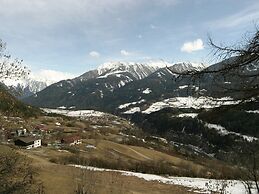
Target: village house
(28, 142)
(71, 140)
(12, 133)
(21, 132)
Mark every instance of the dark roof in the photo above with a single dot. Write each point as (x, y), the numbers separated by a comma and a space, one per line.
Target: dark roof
(27, 139)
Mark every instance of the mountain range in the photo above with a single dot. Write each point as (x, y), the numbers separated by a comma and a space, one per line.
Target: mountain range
(113, 84)
(25, 87)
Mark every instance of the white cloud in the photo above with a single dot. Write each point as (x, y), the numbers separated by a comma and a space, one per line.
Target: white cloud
(192, 46)
(94, 54)
(51, 76)
(125, 53)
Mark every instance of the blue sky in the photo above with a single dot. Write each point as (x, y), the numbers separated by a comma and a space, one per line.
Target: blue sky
(74, 36)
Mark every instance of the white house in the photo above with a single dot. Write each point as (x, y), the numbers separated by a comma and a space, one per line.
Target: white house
(28, 142)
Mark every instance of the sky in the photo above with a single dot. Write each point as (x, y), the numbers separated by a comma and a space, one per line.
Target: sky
(65, 38)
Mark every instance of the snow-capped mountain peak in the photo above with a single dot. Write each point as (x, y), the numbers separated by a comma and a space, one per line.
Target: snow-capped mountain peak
(159, 64)
(137, 70)
(24, 87)
(181, 67)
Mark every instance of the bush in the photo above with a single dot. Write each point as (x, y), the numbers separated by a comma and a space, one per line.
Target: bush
(150, 167)
(17, 174)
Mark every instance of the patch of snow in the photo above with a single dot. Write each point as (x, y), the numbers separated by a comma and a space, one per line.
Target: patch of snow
(184, 86)
(121, 84)
(101, 93)
(189, 102)
(192, 115)
(132, 110)
(253, 111)
(160, 138)
(77, 113)
(223, 131)
(111, 73)
(58, 124)
(131, 103)
(197, 185)
(147, 91)
(89, 146)
(62, 107)
(155, 107)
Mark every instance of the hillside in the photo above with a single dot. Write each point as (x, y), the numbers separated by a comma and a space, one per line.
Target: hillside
(117, 149)
(10, 106)
(113, 151)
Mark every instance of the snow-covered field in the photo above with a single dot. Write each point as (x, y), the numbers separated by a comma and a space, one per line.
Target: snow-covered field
(180, 102)
(132, 110)
(253, 111)
(198, 185)
(78, 113)
(192, 115)
(131, 103)
(189, 102)
(147, 91)
(223, 131)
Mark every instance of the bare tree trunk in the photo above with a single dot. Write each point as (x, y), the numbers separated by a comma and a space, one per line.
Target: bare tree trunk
(248, 186)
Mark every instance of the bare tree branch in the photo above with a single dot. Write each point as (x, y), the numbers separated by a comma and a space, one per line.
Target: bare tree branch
(10, 68)
(239, 68)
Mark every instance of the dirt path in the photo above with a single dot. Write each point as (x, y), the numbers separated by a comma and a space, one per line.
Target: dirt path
(142, 155)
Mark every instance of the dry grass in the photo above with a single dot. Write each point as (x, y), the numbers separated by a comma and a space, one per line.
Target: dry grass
(64, 179)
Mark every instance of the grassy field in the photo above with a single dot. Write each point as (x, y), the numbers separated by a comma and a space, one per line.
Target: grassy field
(58, 178)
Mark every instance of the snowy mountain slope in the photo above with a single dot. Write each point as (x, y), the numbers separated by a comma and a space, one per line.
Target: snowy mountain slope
(22, 87)
(110, 85)
(187, 66)
(137, 70)
(25, 87)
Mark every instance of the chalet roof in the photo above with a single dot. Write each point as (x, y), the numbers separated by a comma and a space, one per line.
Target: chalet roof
(27, 139)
